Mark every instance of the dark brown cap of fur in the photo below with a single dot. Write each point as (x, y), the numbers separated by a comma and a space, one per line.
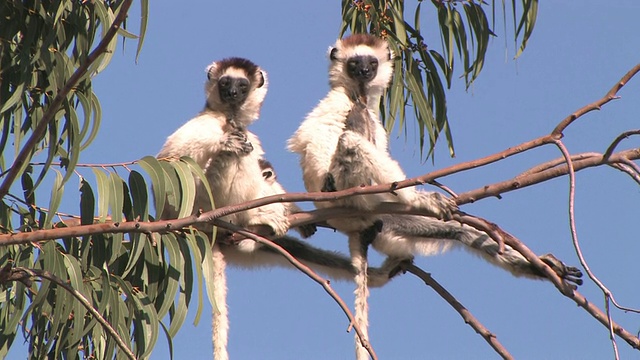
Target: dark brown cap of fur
(240, 63)
(362, 39)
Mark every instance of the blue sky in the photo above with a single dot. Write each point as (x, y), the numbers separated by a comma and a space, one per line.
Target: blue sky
(575, 55)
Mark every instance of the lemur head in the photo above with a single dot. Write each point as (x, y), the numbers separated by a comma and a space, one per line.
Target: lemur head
(236, 87)
(361, 63)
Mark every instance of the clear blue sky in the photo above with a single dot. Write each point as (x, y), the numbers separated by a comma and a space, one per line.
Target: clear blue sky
(577, 52)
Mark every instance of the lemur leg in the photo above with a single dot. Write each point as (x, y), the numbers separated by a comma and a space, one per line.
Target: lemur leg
(220, 321)
(359, 261)
(418, 235)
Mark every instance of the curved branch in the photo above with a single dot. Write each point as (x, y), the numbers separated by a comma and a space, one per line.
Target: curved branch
(307, 271)
(49, 115)
(576, 244)
(617, 140)
(24, 275)
(468, 318)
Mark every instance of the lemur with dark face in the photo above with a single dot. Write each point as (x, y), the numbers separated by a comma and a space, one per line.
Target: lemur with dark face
(218, 140)
(342, 144)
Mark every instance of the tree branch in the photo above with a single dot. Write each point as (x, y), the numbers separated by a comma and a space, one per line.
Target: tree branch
(49, 115)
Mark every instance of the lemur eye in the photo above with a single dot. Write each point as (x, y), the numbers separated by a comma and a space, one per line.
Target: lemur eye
(224, 82)
(374, 64)
(352, 64)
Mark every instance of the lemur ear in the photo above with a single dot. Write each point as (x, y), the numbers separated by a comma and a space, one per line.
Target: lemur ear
(267, 174)
(261, 82)
(333, 55)
(211, 70)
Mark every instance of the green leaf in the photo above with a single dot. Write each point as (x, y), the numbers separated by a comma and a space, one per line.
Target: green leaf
(97, 118)
(137, 247)
(175, 268)
(528, 20)
(197, 258)
(79, 311)
(13, 100)
(152, 167)
(139, 195)
(169, 339)
(197, 170)
(116, 201)
(144, 15)
(172, 187)
(116, 197)
(187, 188)
(56, 196)
(73, 142)
(207, 264)
(103, 194)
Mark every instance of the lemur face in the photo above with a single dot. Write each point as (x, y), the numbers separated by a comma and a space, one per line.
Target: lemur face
(233, 90)
(235, 78)
(362, 68)
(361, 63)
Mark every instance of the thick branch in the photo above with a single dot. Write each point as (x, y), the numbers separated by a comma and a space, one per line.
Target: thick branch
(528, 178)
(468, 318)
(307, 271)
(49, 115)
(24, 275)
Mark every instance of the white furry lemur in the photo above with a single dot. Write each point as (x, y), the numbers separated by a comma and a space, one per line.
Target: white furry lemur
(342, 144)
(230, 156)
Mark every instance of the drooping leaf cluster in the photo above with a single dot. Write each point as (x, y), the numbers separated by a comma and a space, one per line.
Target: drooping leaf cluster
(140, 283)
(425, 56)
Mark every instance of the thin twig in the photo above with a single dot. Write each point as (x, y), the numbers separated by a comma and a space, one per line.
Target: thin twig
(468, 318)
(596, 105)
(307, 271)
(617, 140)
(49, 114)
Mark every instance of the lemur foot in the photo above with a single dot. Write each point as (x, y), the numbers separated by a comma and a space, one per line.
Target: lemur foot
(307, 230)
(369, 234)
(329, 184)
(441, 206)
(236, 142)
(568, 273)
(391, 268)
